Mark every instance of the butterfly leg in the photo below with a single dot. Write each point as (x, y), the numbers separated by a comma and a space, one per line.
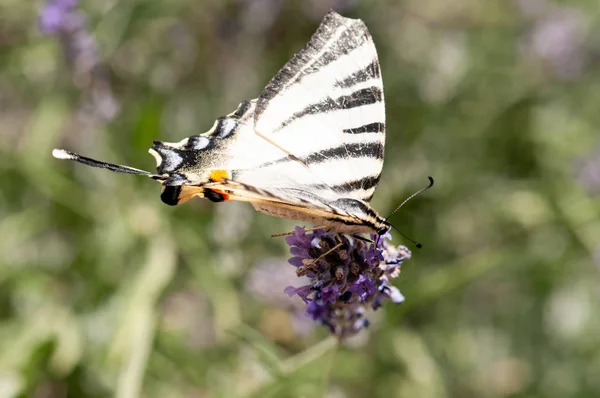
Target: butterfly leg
(307, 230)
(367, 240)
(334, 248)
(308, 265)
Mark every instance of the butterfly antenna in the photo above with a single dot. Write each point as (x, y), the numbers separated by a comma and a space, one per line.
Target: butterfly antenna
(420, 191)
(417, 244)
(62, 154)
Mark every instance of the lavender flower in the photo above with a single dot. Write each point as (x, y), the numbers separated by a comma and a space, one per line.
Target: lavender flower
(557, 37)
(260, 281)
(346, 275)
(61, 18)
(59, 15)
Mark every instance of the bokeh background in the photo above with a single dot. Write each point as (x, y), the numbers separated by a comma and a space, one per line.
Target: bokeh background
(105, 291)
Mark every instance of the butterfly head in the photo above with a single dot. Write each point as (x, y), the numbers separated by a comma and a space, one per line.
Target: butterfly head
(384, 228)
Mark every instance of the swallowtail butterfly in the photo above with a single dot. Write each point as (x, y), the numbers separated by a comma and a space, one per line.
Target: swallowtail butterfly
(309, 148)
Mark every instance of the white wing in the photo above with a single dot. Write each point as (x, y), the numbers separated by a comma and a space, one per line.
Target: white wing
(326, 107)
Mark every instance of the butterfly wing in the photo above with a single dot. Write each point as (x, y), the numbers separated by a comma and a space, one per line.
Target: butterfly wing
(342, 214)
(326, 108)
(309, 148)
(313, 141)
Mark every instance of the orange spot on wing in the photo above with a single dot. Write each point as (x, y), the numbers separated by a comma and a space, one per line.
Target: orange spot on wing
(222, 193)
(218, 175)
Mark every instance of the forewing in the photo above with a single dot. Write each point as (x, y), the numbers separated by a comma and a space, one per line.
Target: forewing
(326, 108)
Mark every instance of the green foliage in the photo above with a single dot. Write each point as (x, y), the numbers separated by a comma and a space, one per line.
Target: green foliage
(105, 291)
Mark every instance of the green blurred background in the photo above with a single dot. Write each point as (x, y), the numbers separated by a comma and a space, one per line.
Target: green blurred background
(105, 291)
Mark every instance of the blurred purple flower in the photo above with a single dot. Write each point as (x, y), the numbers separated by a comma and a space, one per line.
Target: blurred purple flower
(57, 15)
(260, 281)
(346, 276)
(61, 18)
(557, 37)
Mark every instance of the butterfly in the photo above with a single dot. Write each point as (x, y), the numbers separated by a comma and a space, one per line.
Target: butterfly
(309, 148)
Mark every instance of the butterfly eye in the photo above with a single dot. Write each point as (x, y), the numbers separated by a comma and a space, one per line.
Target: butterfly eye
(383, 230)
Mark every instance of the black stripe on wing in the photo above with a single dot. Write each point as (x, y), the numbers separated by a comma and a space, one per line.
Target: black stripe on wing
(367, 128)
(365, 183)
(365, 96)
(371, 71)
(349, 40)
(353, 188)
(357, 150)
(312, 58)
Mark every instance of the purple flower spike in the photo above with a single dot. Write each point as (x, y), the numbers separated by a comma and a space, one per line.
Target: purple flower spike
(63, 20)
(56, 15)
(346, 274)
